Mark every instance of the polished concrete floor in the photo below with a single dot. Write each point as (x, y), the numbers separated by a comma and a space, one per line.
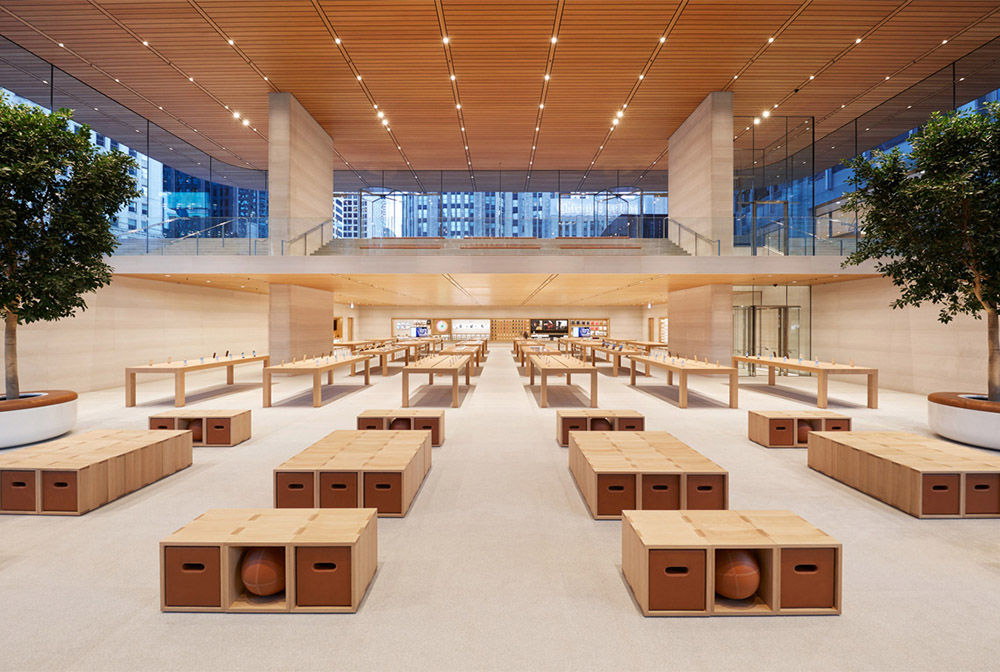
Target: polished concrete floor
(498, 564)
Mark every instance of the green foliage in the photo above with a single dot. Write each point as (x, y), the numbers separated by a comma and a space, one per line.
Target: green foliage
(931, 221)
(58, 195)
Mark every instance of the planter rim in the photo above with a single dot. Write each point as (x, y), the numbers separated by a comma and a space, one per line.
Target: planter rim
(37, 399)
(961, 400)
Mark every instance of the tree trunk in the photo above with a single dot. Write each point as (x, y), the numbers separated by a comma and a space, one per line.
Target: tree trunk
(10, 356)
(994, 360)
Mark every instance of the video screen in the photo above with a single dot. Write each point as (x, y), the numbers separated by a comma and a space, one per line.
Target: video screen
(581, 332)
(420, 332)
(550, 326)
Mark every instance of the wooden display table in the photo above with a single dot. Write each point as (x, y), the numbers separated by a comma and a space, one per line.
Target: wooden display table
(646, 346)
(471, 350)
(356, 469)
(329, 560)
(400, 419)
(614, 355)
(618, 471)
(688, 367)
(415, 348)
(786, 429)
(925, 477)
(558, 365)
(213, 427)
(596, 420)
(78, 473)
(438, 364)
(317, 366)
(669, 561)
(535, 349)
(387, 354)
(484, 347)
(180, 369)
(823, 370)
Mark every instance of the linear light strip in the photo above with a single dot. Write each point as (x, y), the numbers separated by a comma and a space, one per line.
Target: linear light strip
(364, 86)
(774, 36)
(461, 288)
(549, 63)
(635, 86)
(127, 87)
(232, 43)
(453, 76)
(545, 283)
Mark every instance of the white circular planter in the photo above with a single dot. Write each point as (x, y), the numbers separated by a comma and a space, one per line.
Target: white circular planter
(36, 416)
(964, 418)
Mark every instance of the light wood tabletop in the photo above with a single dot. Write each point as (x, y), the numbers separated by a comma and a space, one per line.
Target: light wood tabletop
(688, 367)
(316, 366)
(387, 353)
(558, 365)
(439, 364)
(823, 370)
(182, 367)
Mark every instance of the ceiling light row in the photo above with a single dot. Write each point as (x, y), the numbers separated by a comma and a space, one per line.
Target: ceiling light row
(456, 95)
(546, 77)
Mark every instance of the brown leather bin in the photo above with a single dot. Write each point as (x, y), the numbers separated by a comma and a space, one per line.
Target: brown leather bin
(631, 424)
(571, 425)
(59, 491)
(940, 494)
(836, 425)
(219, 431)
(162, 423)
(192, 576)
(982, 493)
(371, 423)
(432, 425)
(323, 576)
(661, 492)
(615, 493)
(294, 490)
(781, 432)
(338, 490)
(677, 580)
(384, 491)
(808, 578)
(17, 490)
(706, 491)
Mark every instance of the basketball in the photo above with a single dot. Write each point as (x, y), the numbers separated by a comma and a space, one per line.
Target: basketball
(804, 429)
(600, 425)
(400, 423)
(737, 574)
(263, 570)
(196, 430)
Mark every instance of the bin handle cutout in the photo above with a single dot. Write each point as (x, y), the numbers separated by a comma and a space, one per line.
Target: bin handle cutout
(616, 488)
(704, 488)
(981, 486)
(324, 566)
(296, 486)
(676, 571)
(24, 484)
(806, 569)
(219, 426)
(661, 487)
(60, 484)
(193, 567)
(383, 486)
(338, 486)
(939, 488)
(780, 428)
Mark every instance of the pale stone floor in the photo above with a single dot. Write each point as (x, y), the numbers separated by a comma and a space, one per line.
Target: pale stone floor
(498, 564)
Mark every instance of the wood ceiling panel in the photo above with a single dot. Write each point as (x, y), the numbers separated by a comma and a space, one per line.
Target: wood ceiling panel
(500, 51)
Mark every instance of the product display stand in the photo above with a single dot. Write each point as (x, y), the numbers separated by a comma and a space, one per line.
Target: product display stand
(182, 367)
(688, 367)
(823, 371)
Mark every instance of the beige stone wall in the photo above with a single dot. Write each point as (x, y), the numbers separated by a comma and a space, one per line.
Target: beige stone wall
(701, 322)
(912, 350)
(300, 322)
(133, 321)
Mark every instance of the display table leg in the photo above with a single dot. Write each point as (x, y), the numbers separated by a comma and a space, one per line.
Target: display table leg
(682, 389)
(406, 388)
(230, 374)
(545, 390)
(631, 378)
(873, 390)
(821, 389)
(770, 375)
(670, 377)
(454, 389)
(734, 390)
(129, 389)
(593, 389)
(317, 389)
(267, 389)
(368, 372)
(179, 389)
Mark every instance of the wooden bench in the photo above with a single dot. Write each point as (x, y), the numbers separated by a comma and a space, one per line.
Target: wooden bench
(431, 420)
(596, 420)
(789, 429)
(209, 427)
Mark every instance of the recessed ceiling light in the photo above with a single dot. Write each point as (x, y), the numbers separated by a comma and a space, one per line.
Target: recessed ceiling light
(756, 120)
(445, 39)
(145, 43)
(236, 115)
(770, 40)
(265, 78)
(554, 40)
(641, 76)
(381, 114)
(857, 41)
(246, 122)
(843, 106)
(942, 42)
(385, 122)
(453, 78)
(546, 78)
(812, 76)
(541, 106)
(116, 80)
(359, 78)
(736, 76)
(61, 44)
(190, 79)
(537, 129)
(230, 43)
(887, 76)
(463, 129)
(619, 113)
(766, 113)
(662, 38)
(336, 40)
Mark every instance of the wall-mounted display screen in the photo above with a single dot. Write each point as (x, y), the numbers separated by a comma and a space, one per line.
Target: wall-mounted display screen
(547, 326)
(580, 332)
(420, 332)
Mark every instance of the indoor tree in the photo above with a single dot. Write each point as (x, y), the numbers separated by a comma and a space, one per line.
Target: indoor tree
(931, 220)
(58, 195)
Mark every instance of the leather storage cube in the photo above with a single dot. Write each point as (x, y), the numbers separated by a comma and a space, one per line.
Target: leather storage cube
(59, 491)
(162, 423)
(323, 576)
(338, 490)
(371, 423)
(631, 424)
(17, 490)
(808, 578)
(294, 490)
(677, 580)
(571, 425)
(192, 576)
(706, 492)
(982, 493)
(433, 425)
(661, 492)
(940, 494)
(384, 491)
(836, 425)
(781, 432)
(615, 493)
(218, 430)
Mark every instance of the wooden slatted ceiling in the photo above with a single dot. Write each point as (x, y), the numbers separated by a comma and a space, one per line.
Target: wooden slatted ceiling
(499, 51)
(493, 289)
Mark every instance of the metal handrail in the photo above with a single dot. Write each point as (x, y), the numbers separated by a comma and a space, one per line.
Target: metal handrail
(134, 232)
(714, 243)
(198, 233)
(305, 234)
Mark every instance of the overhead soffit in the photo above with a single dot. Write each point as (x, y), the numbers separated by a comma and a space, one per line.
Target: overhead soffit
(499, 52)
(492, 289)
